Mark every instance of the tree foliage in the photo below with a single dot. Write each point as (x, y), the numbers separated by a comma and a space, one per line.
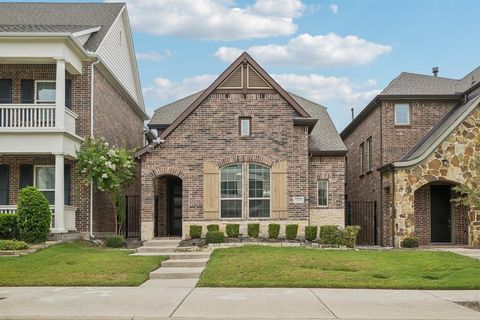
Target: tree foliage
(469, 193)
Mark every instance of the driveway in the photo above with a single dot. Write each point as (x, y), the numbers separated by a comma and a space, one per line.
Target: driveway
(166, 302)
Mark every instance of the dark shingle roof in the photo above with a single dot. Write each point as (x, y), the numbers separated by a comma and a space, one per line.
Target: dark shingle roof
(60, 17)
(324, 136)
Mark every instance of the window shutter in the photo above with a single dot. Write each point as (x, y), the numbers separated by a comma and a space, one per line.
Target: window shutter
(68, 93)
(5, 90)
(66, 184)
(27, 91)
(26, 176)
(4, 169)
(211, 191)
(279, 190)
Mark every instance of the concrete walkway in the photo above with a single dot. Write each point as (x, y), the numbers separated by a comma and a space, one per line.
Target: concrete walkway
(184, 302)
(467, 252)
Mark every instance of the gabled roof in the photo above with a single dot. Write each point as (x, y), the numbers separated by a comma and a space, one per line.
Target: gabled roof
(244, 57)
(60, 17)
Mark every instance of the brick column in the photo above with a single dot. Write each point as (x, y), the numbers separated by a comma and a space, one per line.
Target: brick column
(403, 202)
(147, 222)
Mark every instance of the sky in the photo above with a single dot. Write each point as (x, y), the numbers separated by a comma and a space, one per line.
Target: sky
(337, 53)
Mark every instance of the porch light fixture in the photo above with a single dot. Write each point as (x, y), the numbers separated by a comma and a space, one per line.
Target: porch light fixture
(445, 162)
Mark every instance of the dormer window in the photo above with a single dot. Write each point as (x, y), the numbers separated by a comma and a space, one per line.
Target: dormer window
(402, 114)
(245, 126)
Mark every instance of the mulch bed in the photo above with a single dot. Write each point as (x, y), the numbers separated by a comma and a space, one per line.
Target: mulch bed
(474, 305)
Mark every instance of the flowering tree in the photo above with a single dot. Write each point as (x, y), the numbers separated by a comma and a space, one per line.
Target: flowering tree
(110, 169)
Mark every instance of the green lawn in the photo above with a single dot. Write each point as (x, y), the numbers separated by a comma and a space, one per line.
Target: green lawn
(256, 266)
(76, 264)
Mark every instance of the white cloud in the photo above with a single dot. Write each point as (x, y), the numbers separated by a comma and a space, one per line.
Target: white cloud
(330, 50)
(154, 56)
(334, 8)
(215, 19)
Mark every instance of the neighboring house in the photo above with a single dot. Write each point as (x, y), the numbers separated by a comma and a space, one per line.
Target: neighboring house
(242, 151)
(67, 72)
(408, 148)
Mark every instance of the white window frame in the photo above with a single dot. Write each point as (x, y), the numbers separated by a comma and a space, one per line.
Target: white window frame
(407, 105)
(318, 198)
(35, 177)
(35, 92)
(220, 195)
(249, 121)
(369, 154)
(248, 194)
(361, 152)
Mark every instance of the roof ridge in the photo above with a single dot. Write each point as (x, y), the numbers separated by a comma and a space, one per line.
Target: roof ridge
(429, 76)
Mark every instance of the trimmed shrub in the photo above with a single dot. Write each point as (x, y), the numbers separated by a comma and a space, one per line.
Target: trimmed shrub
(233, 230)
(253, 230)
(273, 230)
(12, 245)
(410, 242)
(34, 216)
(351, 235)
(8, 226)
(311, 233)
(291, 231)
(195, 231)
(215, 237)
(331, 234)
(115, 241)
(213, 227)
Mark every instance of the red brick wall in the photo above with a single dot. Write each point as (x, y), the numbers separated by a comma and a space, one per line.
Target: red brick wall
(331, 168)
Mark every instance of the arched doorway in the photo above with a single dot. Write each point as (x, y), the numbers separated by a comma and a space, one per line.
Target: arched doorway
(168, 206)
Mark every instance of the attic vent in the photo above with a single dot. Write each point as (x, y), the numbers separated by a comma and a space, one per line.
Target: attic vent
(234, 81)
(254, 80)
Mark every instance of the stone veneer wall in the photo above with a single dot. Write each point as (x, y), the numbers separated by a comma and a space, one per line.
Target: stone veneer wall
(459, 149)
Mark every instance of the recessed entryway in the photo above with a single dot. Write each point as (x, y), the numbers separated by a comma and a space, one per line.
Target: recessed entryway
(441, 213)
(168, 207)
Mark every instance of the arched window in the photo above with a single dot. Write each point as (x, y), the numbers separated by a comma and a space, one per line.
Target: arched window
(231, 191)
(258, 191)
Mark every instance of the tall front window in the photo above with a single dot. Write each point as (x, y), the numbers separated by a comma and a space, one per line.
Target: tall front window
(258, 191)
(45, 181)
(45, 91)
(369, 154)
(245, 126)
(322, 193)
(361, 153)
(231, 191)
(402, 114)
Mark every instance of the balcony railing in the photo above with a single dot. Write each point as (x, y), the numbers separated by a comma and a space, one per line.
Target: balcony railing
(69, 215)
(27, 116)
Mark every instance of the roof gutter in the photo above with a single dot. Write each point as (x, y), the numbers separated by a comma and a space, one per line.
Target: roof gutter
(328, 152)
(310, 122)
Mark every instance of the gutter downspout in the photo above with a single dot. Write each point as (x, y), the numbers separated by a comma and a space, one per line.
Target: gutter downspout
(92, 66)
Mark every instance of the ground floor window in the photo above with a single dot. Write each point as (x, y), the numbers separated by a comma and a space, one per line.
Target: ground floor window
(322, 193)
(44, 181)
(255, 201)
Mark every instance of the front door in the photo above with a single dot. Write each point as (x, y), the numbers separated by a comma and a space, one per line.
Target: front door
(175, 207)
(441, 215)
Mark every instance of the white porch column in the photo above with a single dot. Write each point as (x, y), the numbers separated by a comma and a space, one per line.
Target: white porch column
(59, 194)
(60, 95)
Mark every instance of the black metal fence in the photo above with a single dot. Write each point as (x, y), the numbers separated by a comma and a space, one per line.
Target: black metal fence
(363, 214)
(132, 217)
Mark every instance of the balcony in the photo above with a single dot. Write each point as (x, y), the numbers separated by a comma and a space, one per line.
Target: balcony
(69, 216)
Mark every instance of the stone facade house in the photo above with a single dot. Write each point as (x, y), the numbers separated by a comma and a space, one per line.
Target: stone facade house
(243, 150)
(408, 148)
(67, 72)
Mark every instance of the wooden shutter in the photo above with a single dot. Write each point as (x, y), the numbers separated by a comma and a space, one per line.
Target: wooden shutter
(4, 170)
(279, 190)
(5, 91)
(27, 91)
(68, 93)
(26, 176)
(211, 191)
(66, 184)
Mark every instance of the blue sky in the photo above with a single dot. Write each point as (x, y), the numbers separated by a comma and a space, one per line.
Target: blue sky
(337, 53)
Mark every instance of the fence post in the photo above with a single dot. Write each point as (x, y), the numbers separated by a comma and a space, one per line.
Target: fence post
(126, 216)
(375, 223)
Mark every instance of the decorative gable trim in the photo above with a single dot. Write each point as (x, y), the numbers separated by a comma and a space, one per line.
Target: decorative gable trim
(244, 58)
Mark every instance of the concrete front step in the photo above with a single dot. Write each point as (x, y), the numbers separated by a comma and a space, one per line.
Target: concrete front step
(176, 255)
(164, 249)
(161, 243)
(177, 273)
(200, 262)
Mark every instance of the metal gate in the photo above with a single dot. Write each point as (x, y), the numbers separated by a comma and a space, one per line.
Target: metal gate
(132, 217)
(363, 214)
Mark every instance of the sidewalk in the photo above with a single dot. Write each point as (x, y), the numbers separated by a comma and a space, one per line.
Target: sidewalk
(152, 302)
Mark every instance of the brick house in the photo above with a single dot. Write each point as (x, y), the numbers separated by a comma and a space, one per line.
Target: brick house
(241, 151)
(408, 148)
(67, 71)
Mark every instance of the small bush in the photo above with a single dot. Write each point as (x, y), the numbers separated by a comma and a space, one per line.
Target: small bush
(273, 230)
(34, 216)
(195, 231)
(331, 234)
(12, 245)
(311, 233)
(291, 231)
(8, 226)
(215, 237)
(213, 227)
(351, 235)
(253, 230)
(233, 230)
(410, 242)
(115, 242)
